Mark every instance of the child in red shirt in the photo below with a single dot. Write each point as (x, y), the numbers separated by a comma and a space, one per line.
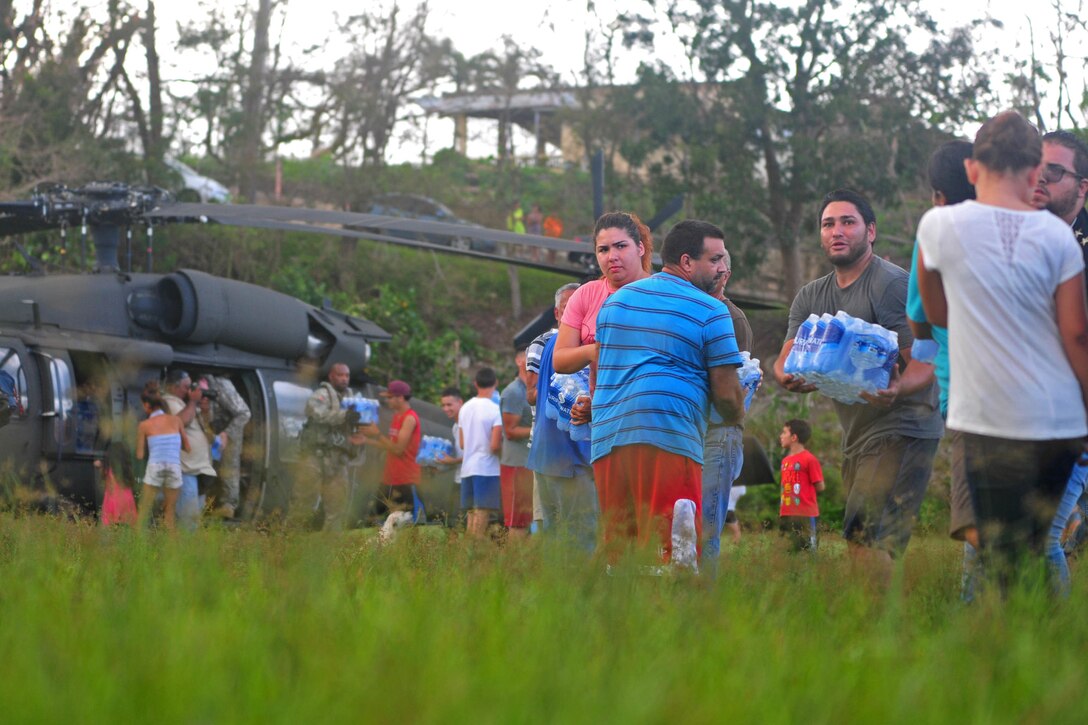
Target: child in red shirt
(802, 479)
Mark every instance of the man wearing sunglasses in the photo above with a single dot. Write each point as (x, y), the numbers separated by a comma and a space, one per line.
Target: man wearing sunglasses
(1063, 183)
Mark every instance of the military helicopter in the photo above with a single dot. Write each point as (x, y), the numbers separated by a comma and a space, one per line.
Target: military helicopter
(78, 348)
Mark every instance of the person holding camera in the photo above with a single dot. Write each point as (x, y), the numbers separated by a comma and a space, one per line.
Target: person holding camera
(332, 449)
(182, 399)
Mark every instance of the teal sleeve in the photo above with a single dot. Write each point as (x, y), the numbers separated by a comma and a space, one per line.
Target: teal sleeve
(915, 311)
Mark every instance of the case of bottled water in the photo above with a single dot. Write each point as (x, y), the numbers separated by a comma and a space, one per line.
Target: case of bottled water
(366, 407)
(563, 392)
(432, 449)
(843, 356)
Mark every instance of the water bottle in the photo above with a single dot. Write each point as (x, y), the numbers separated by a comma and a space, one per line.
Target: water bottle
(426, 455)
(749, 374)
(873, 354)
(684, 553)
(566, 400)
(829, 359)
(567, 389)
(582, 431)
(217, 448)
(551, 408)
(796, 360)
(367, 409)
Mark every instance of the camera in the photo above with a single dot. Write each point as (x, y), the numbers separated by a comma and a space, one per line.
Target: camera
(210, 394)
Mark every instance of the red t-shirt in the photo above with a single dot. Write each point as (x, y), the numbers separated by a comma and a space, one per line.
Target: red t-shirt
(403, 470)
(799, 472)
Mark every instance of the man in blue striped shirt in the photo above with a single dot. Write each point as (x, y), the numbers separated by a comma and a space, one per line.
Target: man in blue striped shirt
(666, 348)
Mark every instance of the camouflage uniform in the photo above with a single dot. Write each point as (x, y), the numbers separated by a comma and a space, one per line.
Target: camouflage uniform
(328, 467)
(229, 415)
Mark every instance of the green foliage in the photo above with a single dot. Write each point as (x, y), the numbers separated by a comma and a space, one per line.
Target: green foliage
(227, 626)
(427, 359)
(786, 102)
(771, 408)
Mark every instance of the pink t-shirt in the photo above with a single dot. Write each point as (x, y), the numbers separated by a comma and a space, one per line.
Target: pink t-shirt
(582, 309)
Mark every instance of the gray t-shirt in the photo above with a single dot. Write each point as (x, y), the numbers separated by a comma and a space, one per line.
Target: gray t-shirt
(516, 453)
(879, 295)
(741, 329)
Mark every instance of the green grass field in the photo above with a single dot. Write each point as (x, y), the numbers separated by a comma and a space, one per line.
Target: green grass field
(224, 626)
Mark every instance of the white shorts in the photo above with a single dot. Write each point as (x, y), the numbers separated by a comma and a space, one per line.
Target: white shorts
(163, 475)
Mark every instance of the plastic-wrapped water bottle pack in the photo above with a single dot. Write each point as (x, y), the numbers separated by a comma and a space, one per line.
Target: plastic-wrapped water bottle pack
(432, 449)
(843, 356)
(366, 407)
(563, 392)
(750, 375)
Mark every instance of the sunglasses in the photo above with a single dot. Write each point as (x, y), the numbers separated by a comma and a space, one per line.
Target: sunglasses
(1054, 173)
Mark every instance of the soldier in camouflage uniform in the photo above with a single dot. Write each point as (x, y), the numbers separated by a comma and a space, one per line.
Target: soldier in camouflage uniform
(330, 457)
(229, 415)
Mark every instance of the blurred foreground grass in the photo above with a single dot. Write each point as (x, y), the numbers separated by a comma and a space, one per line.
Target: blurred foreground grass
(226, 626)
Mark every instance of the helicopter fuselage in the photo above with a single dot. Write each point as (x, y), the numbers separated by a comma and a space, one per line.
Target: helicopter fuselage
(80, 348)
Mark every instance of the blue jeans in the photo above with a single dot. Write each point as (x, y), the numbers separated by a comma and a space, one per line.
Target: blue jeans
(188, 505)
(1054, 553)
(723, 457)
(570, 504)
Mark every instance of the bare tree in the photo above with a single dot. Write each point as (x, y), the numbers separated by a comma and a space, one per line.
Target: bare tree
(61, 89)
(790, 101)
(368, 91)
(253, 109)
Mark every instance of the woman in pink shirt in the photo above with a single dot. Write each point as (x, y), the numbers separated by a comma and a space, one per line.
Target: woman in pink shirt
(625, 251)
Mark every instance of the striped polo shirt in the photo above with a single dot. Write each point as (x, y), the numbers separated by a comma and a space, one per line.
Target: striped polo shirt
(658, 339)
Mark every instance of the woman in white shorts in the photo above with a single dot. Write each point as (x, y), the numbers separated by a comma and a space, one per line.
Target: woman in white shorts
(163, 437)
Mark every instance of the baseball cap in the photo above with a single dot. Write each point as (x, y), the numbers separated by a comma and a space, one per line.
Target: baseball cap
(398, 387)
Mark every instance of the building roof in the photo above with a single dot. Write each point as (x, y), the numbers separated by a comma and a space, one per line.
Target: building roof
(491, 104)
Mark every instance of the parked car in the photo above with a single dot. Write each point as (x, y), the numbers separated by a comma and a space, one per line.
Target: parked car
(195, 186)
(414, 206)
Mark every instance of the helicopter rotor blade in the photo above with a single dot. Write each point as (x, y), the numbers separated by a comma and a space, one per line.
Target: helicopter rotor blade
(436, 236)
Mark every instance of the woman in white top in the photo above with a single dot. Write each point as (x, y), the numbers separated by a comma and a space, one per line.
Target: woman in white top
(1008, 282)
(162, 437)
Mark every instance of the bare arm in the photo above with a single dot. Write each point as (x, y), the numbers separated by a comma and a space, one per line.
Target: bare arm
(397, 445)
(570, 355)
(792, 383)
(931, 287)
(819, 486)
(141, 441)
(915, 376)
(496, 439)
(187, 413)
(404, 436)
(184, 438)
(920, 330)
(1073, 328)
(727, 394)
(531, 380)
(512, 430)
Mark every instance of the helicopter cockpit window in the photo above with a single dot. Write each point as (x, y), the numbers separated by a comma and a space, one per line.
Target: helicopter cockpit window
(13, 380)
(291, 404)
(63, 388)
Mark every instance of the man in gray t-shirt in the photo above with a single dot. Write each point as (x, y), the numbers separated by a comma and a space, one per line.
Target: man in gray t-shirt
(515, 478)
(889, 442)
